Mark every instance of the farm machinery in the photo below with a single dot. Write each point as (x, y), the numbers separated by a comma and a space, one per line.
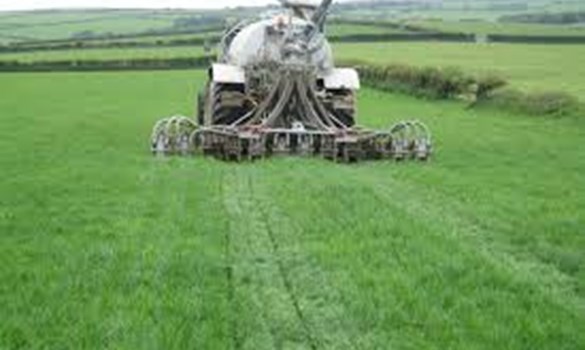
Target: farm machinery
(274, 90)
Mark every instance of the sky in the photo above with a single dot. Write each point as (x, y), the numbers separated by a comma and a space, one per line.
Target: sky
(10, 5)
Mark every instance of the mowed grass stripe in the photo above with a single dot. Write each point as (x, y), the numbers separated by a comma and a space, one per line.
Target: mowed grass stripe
(320, 306)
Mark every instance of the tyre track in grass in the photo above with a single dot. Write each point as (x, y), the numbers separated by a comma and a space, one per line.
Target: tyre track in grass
(284, 275)
(296, 303)
(320, 306)
(265, 316)
(233, 329)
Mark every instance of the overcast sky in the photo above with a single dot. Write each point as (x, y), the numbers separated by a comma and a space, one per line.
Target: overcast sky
(7, 5)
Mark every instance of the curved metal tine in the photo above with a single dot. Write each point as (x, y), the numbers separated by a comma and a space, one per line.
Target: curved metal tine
(171, 133)
(170, 123)
(198, 144)
(425, 142)
(160, 137)
(188, 121)
(425, 131)
(413, 138)
(175, 133)
(157, 127)
(408, 139)
(396, 127)
(420, 137)
(183, 127)
(398, 132)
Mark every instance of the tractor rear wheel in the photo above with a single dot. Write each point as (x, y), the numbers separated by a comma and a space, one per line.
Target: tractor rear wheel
(227, 103)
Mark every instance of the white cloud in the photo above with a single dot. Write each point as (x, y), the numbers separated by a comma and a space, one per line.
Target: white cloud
(7, 5)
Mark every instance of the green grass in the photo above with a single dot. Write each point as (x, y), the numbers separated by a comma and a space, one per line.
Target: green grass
(486, 27)
(103, 246)
(454, 10)
(62, 24)
(526, 66)
(108, 25)
(105, 54)
(352, 29)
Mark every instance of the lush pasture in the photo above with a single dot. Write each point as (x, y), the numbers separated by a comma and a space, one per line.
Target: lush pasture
(119, 25)
(105, 54)
(61, 24)
(102, 245)
(490, 27)
(466, 9)
(351, 29)
(530, 67)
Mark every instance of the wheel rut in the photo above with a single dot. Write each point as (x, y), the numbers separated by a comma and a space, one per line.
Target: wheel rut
(282, 296)
(284, 275)
(232, 323)
(264, 312)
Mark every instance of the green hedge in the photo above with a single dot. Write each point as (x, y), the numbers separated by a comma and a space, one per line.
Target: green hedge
(476, 90)
(548, 103)
(546, 18)
(428, 82)
(106, 65)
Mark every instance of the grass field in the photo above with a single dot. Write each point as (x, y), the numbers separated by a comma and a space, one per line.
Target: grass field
(50, 25)
(352, 29)
(455, 10)
(529, 67)
(105, 54)
(62, 24)
(103, 246)
(487, 27)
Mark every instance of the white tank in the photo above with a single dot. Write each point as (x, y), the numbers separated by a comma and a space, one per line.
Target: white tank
(263, 41)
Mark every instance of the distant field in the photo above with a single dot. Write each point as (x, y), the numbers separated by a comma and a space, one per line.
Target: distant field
(349, 29)
(530, 67)
(455, 10)
(107, 25)
(103, 245)
(105, 54)
(49, 25)
(333, 29)
(485, 27)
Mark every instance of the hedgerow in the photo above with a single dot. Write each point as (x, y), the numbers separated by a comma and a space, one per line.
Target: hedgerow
(476, 90)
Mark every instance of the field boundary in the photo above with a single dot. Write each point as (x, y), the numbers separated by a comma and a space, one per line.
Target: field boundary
(351, 38)
(426, 82)
(198, 62)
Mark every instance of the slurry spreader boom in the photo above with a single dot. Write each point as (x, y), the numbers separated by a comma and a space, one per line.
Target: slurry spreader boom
(275, 91)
